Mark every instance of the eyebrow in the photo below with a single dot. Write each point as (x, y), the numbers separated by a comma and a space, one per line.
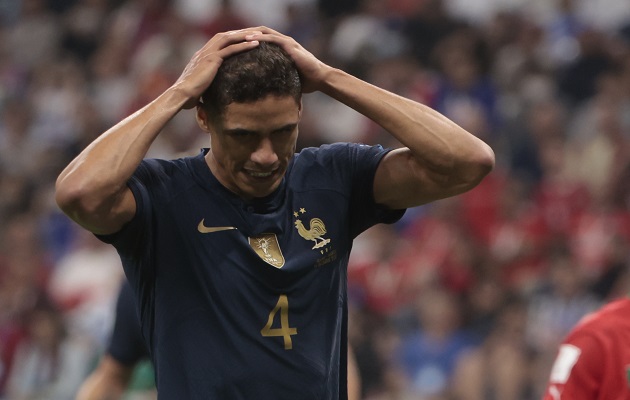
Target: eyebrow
(287, 127)
(236, 131)
(240, 131)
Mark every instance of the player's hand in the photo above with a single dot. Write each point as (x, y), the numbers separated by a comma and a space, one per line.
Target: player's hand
(312, 71)
(203, 66)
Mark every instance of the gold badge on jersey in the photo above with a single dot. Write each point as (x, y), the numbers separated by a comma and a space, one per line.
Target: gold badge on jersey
(267, 247)
(316, 232)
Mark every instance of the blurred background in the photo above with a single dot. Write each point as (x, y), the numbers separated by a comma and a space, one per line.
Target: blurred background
(464, 299)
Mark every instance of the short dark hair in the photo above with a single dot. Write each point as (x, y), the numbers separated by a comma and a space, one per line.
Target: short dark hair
(250, 76)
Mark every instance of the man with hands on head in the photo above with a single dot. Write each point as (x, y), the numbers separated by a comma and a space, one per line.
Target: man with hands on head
(237, 256)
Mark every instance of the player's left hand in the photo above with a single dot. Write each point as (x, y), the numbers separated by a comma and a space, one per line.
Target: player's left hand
(312, 71)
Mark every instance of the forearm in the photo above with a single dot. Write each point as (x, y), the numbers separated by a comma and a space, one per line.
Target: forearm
(436, 141)
(93, 182)
(107, 382)
(99, 388)
(113, 156)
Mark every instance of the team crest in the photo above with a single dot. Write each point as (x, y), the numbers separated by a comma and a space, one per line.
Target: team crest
(314, 232)
(267, 247)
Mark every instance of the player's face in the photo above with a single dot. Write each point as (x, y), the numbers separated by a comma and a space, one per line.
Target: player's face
(252, 144)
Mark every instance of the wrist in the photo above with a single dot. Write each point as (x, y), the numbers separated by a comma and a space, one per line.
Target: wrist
(328, 80)
(176, 97)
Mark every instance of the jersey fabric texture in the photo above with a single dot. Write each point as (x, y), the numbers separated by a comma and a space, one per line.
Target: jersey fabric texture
(247, 300)
(126, 344)
(593, 362)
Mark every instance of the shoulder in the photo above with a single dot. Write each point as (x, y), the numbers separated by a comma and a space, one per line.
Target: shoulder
(597, 333)
(338, 163)
(154, 172)
(586, 355)
(607, 318)
(159, 180)
(340, 156)
(339, 149)
(158, 166)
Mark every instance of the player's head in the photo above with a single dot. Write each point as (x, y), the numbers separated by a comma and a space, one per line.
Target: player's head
(266, 70)
(252, 111)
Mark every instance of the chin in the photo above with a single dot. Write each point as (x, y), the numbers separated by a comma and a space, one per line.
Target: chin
(251, 189)
(263, 192)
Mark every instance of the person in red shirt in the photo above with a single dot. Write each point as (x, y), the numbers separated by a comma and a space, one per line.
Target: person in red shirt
(593, 361)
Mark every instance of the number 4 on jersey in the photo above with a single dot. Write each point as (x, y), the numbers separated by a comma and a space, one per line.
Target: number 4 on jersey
(285, 330)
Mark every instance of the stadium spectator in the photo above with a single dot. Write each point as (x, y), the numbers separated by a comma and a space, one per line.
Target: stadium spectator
(429, 353)
(498, 368)
(49, 363)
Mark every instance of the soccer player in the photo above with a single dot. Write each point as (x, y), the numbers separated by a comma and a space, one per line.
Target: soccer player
(237, 256)
(593, 362)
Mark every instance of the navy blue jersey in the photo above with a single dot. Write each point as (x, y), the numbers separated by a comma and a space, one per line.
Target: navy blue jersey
(126, 344)
(247, 300)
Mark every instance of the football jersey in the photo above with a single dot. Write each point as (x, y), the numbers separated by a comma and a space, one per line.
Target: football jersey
(126, 344)
(247, 299)
(593, 362)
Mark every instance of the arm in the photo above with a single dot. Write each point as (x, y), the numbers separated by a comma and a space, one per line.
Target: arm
(440, 159)
(92, 189)
(108, 381)
(354, 376)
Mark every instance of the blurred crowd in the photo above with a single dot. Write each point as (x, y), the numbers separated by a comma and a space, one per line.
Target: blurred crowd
(463, 299)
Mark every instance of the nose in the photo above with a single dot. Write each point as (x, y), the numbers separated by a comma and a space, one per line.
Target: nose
(264, 154)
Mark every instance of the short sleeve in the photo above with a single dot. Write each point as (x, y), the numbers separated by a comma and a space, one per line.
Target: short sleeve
(577, 371)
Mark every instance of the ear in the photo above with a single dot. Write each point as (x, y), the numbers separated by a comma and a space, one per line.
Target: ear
(300, 108)
(202, 119)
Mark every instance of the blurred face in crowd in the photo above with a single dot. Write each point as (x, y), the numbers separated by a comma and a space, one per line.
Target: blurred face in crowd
(252, 144)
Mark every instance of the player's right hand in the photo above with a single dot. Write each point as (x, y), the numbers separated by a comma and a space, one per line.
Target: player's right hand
(313, 72)
(203, 66)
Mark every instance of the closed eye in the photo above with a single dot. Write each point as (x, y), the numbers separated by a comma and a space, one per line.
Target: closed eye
(240, 133)
(246, 134)
(285, 130)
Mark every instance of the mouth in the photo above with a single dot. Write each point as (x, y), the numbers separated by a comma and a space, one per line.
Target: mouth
(259, 183)
(260, 174)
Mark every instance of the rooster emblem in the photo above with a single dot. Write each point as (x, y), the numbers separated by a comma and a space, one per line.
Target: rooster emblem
(316, 230)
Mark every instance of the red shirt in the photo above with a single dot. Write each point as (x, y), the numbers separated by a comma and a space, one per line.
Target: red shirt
(593, 362)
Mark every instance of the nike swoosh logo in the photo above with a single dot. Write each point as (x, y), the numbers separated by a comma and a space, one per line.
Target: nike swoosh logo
(209, 229)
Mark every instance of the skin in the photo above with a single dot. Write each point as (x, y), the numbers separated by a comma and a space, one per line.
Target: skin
(252, 144)
(354, 377)
(107, 382)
